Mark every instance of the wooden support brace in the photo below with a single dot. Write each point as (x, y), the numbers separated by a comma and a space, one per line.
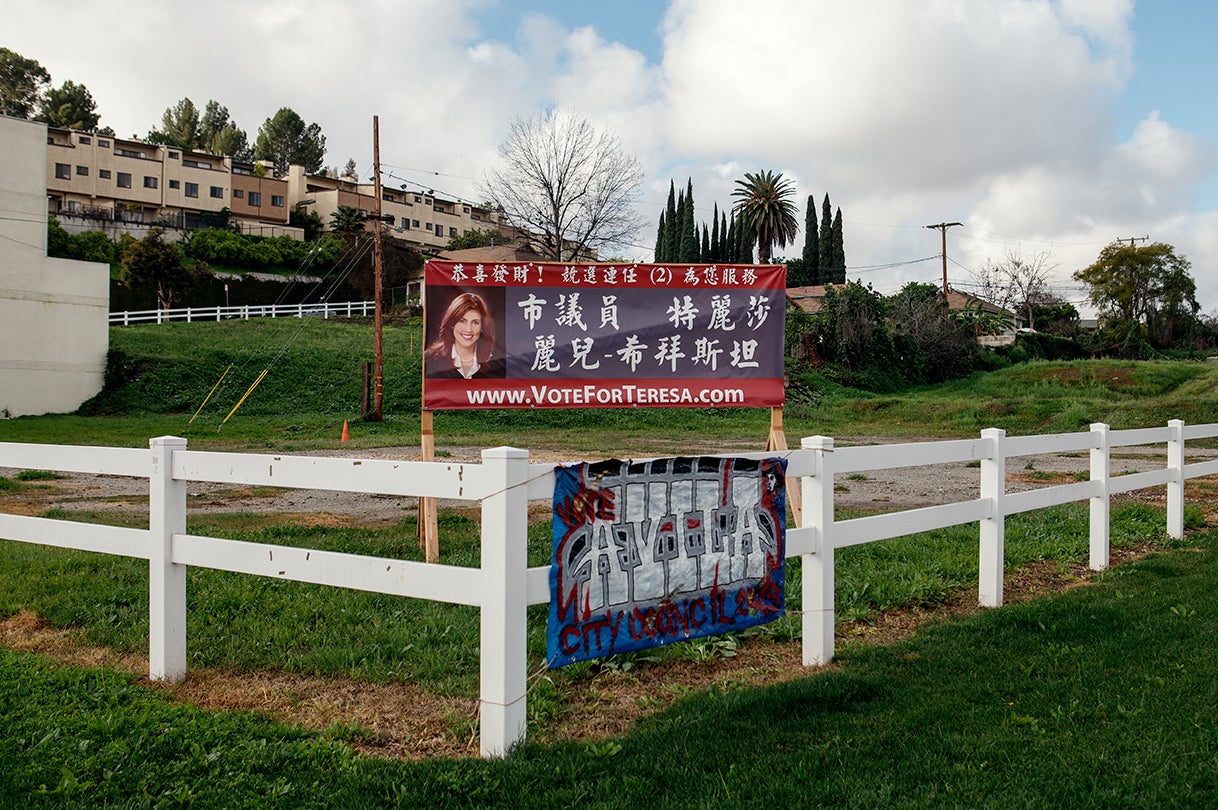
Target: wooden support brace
(777, 440)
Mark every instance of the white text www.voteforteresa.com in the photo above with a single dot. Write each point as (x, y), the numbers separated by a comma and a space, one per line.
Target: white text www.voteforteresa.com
(607, 395)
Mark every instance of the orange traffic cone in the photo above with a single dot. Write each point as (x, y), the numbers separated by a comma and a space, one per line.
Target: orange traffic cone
(346, 432)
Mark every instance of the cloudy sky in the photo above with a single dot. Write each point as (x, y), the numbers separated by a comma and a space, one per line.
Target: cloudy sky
(1044, 127)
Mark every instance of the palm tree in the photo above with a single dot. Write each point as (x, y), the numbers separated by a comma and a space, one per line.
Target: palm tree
(348, 221)
(763, 204)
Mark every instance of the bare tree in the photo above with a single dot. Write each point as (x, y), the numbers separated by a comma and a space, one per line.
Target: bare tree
(566, 183)
(1017, 283)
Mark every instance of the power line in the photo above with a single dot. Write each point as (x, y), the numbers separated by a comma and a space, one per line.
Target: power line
(982, 236)
(870, 268)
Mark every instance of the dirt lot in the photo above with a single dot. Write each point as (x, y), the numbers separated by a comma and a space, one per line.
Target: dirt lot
(905, 488)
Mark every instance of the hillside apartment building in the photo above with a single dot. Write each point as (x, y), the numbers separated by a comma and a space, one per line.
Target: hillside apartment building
(99, 182)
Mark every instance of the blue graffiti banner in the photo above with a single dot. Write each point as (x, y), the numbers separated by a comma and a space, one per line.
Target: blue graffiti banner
(651, 552)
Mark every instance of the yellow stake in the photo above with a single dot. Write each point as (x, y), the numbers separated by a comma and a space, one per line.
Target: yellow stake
(212, 391)
(265, 371)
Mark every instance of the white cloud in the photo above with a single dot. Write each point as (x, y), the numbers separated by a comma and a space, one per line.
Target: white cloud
(999, 114)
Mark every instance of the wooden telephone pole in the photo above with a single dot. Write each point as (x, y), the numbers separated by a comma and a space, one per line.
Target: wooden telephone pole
(942, 228)
(377, 315)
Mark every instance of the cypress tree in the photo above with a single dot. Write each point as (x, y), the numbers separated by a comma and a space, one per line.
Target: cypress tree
(688, 251)
(705, 258)
(724, 244)
(744, 249)
(670, 228)
(729, 244)
(839, 250)
(811, 256)
(658, 256)
(825, 246)
(714, 242)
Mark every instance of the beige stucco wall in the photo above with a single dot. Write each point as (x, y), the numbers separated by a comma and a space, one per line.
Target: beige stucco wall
(53, 312)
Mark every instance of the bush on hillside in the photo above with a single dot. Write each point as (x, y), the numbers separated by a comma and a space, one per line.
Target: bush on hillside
(90, 246)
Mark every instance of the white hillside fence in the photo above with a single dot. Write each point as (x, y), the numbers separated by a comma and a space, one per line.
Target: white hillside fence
(321, 309)
(502, 587)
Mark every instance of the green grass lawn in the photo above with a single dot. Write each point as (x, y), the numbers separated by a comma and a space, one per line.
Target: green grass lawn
(1099, 696)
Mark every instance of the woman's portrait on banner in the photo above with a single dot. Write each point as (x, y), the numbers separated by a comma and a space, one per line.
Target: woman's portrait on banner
(464, 344)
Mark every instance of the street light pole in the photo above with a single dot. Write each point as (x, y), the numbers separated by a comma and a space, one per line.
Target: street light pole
(942, 228)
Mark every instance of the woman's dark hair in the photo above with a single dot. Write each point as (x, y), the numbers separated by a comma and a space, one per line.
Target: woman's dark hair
(442, 347)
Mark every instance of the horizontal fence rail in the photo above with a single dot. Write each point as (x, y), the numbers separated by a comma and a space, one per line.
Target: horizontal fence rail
(347, 309)
(503, 586)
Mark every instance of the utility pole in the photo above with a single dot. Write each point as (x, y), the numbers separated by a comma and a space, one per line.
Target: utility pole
(942, 228)
(377, 359)
(1133, 239)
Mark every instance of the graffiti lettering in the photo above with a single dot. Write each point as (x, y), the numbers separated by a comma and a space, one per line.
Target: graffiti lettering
(633, 566)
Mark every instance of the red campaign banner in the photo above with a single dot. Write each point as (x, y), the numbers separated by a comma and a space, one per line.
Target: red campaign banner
(540, 335)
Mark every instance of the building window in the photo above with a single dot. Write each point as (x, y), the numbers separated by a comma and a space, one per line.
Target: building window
(414, 222)
(175, 183)
(217, 192)
(124, 180)
(277, 201)
(173, 154)
(465, 208)
(104, 144)
(83, 171)
(103, 174)
(238, 194)
(192, 189)
(131, 153)
(198, 164)
(63, 171)
(149, 182)
(85, 139)
(428, 226)
(255, 199)
(417, 198)
(405, 224)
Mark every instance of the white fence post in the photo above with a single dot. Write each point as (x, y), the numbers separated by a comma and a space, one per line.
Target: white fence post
(993, 528)
(1175, 485)
(166, 581)
(505, 527)
(818, 579)
(1099, 503)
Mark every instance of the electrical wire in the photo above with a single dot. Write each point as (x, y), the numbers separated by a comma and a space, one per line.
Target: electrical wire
(341, 270)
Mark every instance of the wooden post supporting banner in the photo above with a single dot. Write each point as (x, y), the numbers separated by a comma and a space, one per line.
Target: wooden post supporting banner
(429, 529)
(777, 440)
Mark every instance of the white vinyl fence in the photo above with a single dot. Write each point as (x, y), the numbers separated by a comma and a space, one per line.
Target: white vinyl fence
(245, 312)
(502, 587)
